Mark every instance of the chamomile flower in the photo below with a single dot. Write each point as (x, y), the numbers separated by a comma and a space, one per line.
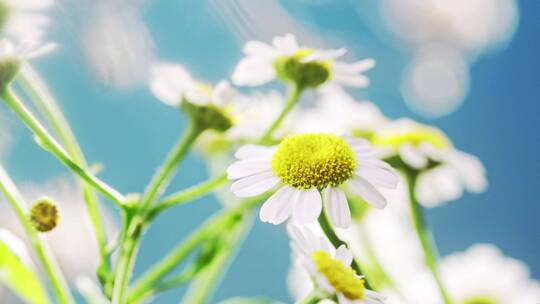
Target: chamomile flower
(483, 275)
(444, 171)
(330, 269)
(171, 83)
(21, 19)
(285, 59)
(13, 55)
(304, 166)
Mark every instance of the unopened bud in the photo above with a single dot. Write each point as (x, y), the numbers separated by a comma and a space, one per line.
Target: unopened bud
(44, 215)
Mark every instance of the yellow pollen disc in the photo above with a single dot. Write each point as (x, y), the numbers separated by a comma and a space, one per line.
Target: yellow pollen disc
(314, 160)
(414, 137)
(342, 278)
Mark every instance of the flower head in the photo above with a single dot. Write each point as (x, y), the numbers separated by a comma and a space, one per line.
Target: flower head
(330, 269)
(173, 85)
(44, 215)
(305, 166)
(444, 170)
(23, 19)
(305, 67)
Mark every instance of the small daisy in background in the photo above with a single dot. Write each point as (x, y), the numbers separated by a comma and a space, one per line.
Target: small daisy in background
(285, 59)
(329, 269)
(306, 165)
(171, 83)
(21, 19)
(444, 171)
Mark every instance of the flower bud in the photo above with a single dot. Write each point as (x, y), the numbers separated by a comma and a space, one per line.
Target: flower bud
(309, 74)
(44, 215)
(207, 116)
(9, 68)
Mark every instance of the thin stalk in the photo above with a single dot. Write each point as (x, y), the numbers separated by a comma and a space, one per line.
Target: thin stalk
(336, 242)
(159, 182)
(55, 276)
(165, 285)
(294, 95)
(190, 194)
(424, 235)
(204, 285)
(51, 145)
(193, 241)
(312, 298)
(47, 105)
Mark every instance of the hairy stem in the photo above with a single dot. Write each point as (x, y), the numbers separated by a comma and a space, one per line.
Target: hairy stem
(51, 145)
(55, 276)
(424, 235)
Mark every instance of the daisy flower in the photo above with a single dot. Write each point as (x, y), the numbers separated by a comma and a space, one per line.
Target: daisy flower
(445, 172)
(171, 83)
(305, 165)
(330, 269)
(483, 275)
(20, 19)
(285, 59)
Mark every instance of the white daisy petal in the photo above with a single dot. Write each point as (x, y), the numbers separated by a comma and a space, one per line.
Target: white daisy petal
(253, 72)
(379, 176)
(286, 45)
(412, 156)
(308, 206)
(278, 207)
(169, 81)
(366, 190)
(254, 184)
(344, 255)
(248, 167)
(337, 207)
(258, 48)
(255, 151)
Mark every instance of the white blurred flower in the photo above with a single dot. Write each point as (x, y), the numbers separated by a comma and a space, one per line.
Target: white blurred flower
(117, 45)
(24, 50)
(330, 269)
(262, 64)
(470, 25)
(304, 166)
(337, 112)
(72, 242)
(171, 83)
(436, 81)
(23, 19)
(483, 275)
(417, 145)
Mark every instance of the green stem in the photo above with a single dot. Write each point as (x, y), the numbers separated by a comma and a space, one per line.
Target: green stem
(190, 194)
(159, 182)
(180, 253)
(424, 235)
(294, 95)
(311, 298)
(202, 288)
(50, 144)
(15, 199)
(336, 242)
(47, 105)
(174, 282)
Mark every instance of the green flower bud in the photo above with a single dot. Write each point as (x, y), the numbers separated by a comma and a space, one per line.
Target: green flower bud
(44, 215)
(304, 74)
(207, 116)
(9, 68)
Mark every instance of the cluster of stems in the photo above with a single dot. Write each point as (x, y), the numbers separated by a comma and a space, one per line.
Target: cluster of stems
(224, 231)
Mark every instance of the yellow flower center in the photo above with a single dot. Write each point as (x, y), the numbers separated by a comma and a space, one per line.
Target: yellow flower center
(44, 215)
(343, 279)
(415, 137)
(304, 74)
(314, 160)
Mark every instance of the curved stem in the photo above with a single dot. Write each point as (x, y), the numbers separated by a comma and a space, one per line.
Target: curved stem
(424, 235)
(336, 242)
(14, 197)
(294, 95)
(51, 145)
(47, 105)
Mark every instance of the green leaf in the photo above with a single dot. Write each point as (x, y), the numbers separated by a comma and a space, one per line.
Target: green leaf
(16, 275)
